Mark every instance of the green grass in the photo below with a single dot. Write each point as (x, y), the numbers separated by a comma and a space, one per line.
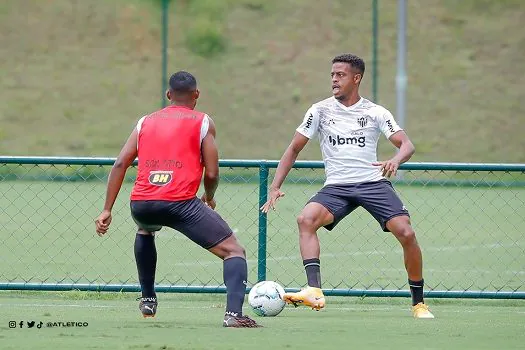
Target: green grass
(78, 74)
(471, 239)
(194, 322)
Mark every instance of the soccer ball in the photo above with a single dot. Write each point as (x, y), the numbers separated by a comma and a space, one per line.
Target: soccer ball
(266, 298)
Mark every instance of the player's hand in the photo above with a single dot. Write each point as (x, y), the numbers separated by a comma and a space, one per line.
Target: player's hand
(209, 202)
(274, 195)
(389, 167)
(102, 222)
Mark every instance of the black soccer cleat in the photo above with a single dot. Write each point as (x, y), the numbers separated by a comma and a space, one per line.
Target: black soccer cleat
(239, 322)
(148, 306)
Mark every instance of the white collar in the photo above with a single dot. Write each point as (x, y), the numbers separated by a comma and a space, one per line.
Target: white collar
(349, 108)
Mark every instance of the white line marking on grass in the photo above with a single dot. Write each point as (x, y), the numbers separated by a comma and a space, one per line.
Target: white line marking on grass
(400, 269)
(368, 253)
(62, 305)
(129, 306)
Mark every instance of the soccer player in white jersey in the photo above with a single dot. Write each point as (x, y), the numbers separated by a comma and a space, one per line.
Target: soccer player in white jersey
(348, 127)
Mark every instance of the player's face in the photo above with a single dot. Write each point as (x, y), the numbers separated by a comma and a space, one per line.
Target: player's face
(344, 80)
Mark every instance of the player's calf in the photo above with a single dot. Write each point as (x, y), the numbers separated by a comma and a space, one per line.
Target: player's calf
(235, 274)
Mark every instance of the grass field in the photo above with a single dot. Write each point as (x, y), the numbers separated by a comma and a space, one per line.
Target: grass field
(471, 239)
(81, 73)
(194, 322)
(78, 74)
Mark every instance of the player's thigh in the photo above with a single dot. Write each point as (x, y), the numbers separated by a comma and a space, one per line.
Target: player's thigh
(327, 208)
(147, 215)
(199, 223)
(382, 202)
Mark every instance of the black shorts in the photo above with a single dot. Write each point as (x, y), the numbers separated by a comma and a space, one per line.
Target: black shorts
(191, 217)
(378, 198)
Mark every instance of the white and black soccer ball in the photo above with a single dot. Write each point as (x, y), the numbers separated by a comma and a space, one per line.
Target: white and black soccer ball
(266, 298)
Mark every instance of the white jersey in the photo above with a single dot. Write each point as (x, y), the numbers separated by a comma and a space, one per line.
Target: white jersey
(348, 137)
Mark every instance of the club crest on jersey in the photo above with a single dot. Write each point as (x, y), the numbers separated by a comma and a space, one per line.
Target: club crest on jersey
(362, 121)
(160, 178)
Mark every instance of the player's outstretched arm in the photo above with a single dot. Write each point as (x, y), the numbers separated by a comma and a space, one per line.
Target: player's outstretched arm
(406, 150)
(285, 164)
(210, 157)
(116, 177)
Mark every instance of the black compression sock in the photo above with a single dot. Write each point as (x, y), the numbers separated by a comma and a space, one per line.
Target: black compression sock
(235, 275)
(146, 258)
(416, 290)
(313, 272)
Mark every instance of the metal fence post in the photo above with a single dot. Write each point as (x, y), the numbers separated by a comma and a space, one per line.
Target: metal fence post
(375, 30)
(164, 53)
(263, 221)
(401, 76)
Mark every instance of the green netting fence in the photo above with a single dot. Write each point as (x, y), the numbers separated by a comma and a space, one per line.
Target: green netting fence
(469, 220)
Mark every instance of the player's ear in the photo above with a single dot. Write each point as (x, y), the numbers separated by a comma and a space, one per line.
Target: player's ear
(196, 94)
(357, 78)
(168, 94)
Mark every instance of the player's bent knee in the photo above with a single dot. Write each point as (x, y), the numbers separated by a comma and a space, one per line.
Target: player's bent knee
(314, 216)
(228, 248)
(406, 234)
(306, 221)
(237, 251)
(236, 248)
(141, 231)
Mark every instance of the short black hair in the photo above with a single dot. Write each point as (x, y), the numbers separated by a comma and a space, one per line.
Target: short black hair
(352, 60)
(183, 82)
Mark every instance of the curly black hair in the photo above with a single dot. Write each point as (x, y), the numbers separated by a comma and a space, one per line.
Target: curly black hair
(352, 60)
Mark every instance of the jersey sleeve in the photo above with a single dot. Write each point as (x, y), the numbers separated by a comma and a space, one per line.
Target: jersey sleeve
(310, 125)
(138, 127)
(139, 123)
(204, 127)
(388, 124)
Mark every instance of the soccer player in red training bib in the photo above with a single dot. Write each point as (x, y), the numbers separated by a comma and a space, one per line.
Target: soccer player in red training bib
(175, 145)
(348, 128)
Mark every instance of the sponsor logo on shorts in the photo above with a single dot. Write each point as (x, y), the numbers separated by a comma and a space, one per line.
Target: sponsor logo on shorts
(340, 141)
(160, 178)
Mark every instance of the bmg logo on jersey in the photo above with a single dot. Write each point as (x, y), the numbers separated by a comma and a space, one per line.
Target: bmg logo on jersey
(338, 140)
(160, 178)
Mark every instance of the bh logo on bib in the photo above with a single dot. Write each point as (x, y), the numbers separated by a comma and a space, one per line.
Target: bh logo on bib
(160, 178)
